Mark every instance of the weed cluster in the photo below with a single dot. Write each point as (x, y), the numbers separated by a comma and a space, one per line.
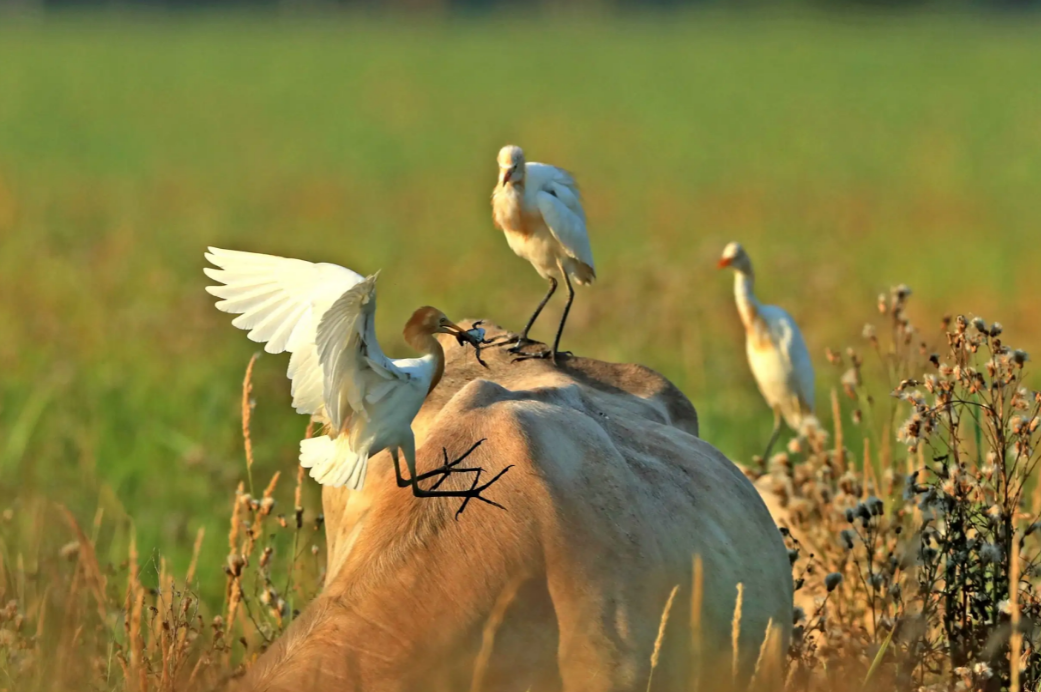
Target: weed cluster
(67, 624)
(914, 569)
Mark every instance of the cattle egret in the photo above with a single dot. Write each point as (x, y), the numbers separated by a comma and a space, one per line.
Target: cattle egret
(776, 351)
(538, 208)
(324, 314)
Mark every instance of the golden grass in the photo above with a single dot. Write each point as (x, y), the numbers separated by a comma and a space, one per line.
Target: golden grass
(660, 638)
(735, 634)
(491, 626)
(697, 646)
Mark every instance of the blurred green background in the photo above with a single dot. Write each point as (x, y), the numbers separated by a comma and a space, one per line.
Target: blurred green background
(847, 153)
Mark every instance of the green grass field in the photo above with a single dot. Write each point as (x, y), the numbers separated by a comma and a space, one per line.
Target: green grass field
(846, 156)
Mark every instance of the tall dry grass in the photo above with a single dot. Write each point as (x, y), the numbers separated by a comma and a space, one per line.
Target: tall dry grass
(916, 563)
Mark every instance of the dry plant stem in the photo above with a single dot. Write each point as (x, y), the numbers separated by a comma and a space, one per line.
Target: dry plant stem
(491, 627)
(765, 653)
(735, 633)
(696, 643)
(660, 639)
(836, 413)
(190, 576)
(1016, 639)
(247, 408)
(89, 561)
(137, 595)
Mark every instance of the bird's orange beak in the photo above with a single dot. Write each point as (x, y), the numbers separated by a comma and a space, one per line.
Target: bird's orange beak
(724, 262)
(450, 328)
(506, 175)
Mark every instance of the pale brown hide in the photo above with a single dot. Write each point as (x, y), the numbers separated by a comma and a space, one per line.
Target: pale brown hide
(610, 496)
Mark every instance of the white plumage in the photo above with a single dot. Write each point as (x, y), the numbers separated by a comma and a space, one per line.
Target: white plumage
(324, 315)
(538, 208)
(777, 353)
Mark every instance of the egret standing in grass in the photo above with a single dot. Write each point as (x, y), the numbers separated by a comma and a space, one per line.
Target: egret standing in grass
(324, 314)
(776, 351)
(538, 208)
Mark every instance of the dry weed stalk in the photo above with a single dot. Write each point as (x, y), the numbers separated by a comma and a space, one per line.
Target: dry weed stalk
(696, 605)
(660, 639)
(735, 633)
(491, 627)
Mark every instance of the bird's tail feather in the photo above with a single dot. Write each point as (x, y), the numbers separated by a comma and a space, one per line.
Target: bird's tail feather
(333, 462)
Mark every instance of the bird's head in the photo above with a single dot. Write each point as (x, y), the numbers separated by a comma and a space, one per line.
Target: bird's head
(734, 256)
(427, 321)
(511, 165)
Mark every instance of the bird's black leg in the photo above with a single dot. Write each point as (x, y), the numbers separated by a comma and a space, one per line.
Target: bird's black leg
(773, 436)
(552, 354)
(563, 318)
(522, 340)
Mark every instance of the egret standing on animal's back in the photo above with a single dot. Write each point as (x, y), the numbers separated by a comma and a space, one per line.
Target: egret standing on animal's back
(537, 206)
(776, 351)
(324, 314)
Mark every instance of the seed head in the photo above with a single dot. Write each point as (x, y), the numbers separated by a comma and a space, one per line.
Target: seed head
(832, 581)
(990, 553)
(874, 505)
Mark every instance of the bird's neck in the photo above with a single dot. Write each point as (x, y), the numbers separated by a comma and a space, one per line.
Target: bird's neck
(744, 295)
(432, 350)
(508, 208)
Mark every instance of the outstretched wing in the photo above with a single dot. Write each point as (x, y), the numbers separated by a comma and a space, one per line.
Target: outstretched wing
(279, 301)
(356, 374)
(557, 198)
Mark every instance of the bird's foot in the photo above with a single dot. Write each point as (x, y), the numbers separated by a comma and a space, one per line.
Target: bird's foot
(449, 467)
(452, 467)
(476, 490)
(445, 470)
(516, 345)
(544, 354)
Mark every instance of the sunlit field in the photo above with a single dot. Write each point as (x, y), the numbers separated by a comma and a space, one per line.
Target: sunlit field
(846, 155)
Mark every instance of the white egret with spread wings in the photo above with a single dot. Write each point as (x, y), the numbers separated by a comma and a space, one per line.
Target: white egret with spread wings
(324, 315)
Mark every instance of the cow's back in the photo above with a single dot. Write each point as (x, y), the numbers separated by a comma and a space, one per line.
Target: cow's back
(610, 497)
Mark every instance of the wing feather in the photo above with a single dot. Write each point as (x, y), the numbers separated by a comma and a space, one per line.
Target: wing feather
(558, 199)
(790, 345)
(279, 301)
(348, 351)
